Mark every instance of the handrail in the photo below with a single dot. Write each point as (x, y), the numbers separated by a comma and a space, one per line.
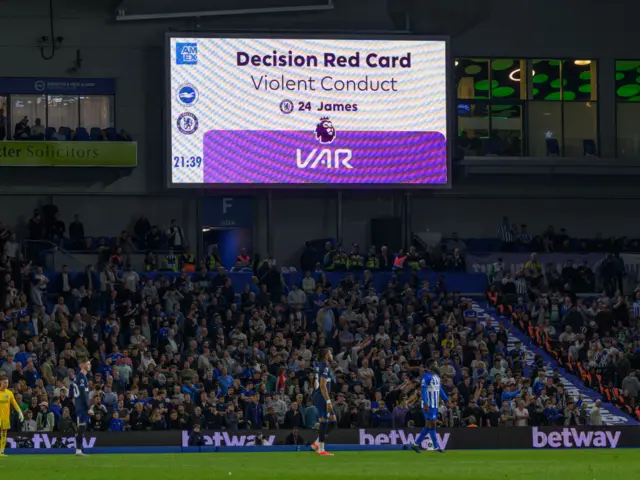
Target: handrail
(54, 247)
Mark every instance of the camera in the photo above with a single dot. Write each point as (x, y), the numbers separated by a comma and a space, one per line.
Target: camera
(23, 442)
(59, 443)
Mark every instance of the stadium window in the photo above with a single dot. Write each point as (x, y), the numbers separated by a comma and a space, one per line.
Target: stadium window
(628, 107)
(562, 108)
(544, 128)
(579, 102)
(506, 130)
(62, 111)
(97, 111)
(472, 78)
(473, 127)
(490, 94)
(30, 106)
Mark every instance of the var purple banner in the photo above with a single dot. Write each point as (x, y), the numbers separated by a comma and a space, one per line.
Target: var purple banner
(512, 262)
(349, 157)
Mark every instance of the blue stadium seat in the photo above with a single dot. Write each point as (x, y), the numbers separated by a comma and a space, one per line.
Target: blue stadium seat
(589, 148)
(492, 147)
(81, 135)
(96, 134)
(67, 132)
(553, 147)
(112, 134)
(48, 133)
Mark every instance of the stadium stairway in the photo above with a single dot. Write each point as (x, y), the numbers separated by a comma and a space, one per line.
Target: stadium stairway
(611, 415)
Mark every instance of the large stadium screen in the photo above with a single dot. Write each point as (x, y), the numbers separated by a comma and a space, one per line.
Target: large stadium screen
(269, 111)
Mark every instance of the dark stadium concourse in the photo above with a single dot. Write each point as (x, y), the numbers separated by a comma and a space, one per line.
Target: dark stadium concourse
(318, 226)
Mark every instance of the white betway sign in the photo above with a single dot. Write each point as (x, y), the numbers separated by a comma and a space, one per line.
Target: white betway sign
(574, 438)
(224, 439)
(398, 437)
(588, 396)
(44, 440)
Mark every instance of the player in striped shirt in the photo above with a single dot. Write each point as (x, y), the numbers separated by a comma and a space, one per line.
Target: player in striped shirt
(636, 307)
(430, 393)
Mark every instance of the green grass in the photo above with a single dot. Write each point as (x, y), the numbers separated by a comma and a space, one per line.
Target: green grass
(453, 465)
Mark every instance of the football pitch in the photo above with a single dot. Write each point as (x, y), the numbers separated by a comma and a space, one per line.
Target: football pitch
(406, 465)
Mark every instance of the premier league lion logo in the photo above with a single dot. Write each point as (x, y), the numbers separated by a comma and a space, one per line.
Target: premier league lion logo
(325, 132)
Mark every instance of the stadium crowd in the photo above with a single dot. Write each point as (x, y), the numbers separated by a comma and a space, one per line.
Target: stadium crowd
(179, 349)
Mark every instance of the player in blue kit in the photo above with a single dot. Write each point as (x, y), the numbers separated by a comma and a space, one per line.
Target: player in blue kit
(81, 396)
(322, 401)
(430, 392)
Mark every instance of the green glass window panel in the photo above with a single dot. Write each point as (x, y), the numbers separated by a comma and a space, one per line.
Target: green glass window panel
(484, 85)
(473, 69)
(501, 64)
(625, 65)
(619, 76)
(556, 83)
(540, 78)
(637, 79)
(568, 96)
(553, 96)
(585, 88)
(555, 63)
(630, 90)
(535, 92)
(585, 76)
(634, 99)
(499, 108)
(502, 91)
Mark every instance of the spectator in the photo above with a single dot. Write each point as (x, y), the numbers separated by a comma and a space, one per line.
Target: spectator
(76, 233)
(60, 135)
(22, 130)
(631, 385)
(521, 415)
(507, 235)
(196, 439)
(57, 229)
(11, 247)
(175, 237)
(294, 438)
(37, 131)
(457, 263)
(29, 425)
(308, 283)
(116, 424)
(296, 297)
(45, 420)
(507, 415)
(595, 415)
(293, 418)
